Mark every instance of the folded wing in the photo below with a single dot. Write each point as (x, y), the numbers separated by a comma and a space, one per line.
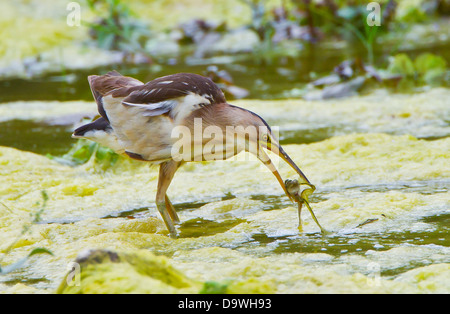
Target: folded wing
(112, 82)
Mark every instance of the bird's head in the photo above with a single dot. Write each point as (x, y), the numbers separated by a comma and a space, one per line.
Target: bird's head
(266, 139)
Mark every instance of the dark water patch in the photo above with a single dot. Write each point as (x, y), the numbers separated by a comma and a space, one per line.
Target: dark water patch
(37, 137)
(179, 207)
(24, 279)
(306, 136)
(271, 202)
(132, 213)
(426, 187)
(52, 86)
(200, 227)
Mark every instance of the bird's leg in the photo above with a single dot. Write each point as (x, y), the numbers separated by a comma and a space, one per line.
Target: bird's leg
(172, 213)
(166, 173)
(300, 225)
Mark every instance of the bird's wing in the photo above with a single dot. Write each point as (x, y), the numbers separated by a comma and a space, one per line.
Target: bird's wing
(154, 109)
(102, 85)
(174, 94)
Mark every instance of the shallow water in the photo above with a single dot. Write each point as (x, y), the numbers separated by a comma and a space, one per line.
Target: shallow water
(383, 197)
(379, 161)
(246, 72)
(32, 126)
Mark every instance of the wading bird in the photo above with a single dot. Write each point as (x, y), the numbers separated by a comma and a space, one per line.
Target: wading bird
(138, 120)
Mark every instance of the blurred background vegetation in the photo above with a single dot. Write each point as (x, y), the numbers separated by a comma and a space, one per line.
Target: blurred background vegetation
(314, 49)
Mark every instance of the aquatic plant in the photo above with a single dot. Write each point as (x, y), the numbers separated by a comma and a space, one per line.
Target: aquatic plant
(20, 263)
(421, 10)
(348, 22)
(307, 21)
(427, 68)
(261, 23)
(402, 74)
(84, 150)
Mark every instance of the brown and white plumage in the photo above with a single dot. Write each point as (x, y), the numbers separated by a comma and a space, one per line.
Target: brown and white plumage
(137, 119)
(131, 107)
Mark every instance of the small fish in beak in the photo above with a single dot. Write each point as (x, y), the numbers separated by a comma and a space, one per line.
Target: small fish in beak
(293, 188)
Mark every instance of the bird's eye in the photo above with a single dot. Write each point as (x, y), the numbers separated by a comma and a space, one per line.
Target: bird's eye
(265, 138)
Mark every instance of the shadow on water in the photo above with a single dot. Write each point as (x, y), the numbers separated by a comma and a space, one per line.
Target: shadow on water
(200, 227)
(306, 136)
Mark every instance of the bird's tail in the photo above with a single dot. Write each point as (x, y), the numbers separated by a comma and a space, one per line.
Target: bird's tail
(98, 125)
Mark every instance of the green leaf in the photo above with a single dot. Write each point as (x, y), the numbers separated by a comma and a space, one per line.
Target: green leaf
(21, 262)
(431, 68)
(401, 64)
(40, 250)
(428, 61)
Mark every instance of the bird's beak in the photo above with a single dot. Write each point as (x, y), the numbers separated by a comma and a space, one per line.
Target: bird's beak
(277, 149)
(262, 156)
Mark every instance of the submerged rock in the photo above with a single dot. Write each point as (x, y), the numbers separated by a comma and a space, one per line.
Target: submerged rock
(108, 272)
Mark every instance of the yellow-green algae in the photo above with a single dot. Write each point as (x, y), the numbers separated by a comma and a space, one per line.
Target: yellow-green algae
(29, 29)
(140, 271)
(82, 194)
(393, 181)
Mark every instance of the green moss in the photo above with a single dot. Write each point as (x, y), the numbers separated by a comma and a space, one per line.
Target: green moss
(140, 271)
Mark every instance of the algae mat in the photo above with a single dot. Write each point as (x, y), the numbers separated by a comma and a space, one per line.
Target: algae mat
(380, 195)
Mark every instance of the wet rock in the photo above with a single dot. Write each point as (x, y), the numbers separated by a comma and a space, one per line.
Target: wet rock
(340, 90)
